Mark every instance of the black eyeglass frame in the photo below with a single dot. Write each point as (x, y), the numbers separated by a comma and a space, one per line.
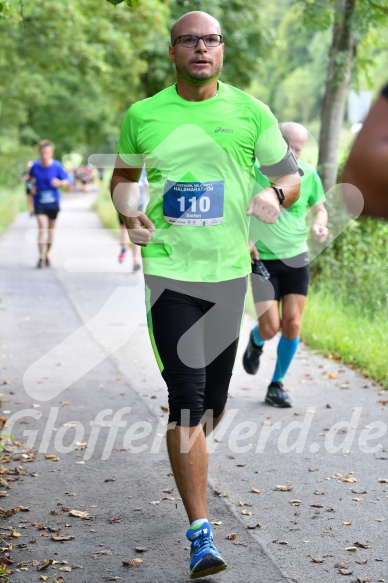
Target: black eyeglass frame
(177, 40)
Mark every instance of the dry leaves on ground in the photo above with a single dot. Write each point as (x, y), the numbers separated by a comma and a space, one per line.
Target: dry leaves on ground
(133, 563)
(81, 514)
(231, 536)
(283, 488)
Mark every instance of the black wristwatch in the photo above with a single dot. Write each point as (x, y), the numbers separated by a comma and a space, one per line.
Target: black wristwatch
(279, 194)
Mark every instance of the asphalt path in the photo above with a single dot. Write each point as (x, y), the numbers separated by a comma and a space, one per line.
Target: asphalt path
(87, 410)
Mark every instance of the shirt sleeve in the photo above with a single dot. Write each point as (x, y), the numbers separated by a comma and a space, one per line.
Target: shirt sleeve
(270, 146)
(127, 146)
(62, 174)
(32, 171)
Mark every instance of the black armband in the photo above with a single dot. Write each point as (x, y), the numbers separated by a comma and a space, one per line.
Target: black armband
(288, 165)
(384, 91)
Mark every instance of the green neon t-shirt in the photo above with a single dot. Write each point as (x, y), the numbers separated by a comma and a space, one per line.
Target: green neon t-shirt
(287, 237)
(200, 158)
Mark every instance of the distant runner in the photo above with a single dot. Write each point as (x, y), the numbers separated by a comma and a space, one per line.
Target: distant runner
(282, 248)
(136, 252)
(47, 176)
(26, 178)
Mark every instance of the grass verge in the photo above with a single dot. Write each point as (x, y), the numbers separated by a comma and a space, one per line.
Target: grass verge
(106, 210)
(12, 202)
(344, 332)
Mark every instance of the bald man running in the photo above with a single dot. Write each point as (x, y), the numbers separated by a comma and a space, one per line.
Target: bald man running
(199, 141)
(282, 248)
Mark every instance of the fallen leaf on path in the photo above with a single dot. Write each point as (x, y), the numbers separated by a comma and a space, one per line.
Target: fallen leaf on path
(45, 563)
(246, 512)
(15, 534)
(280, 542)
(64, 403)
(81, 514)
(216, 522)
(44, 577)
(12, 511)
(359, 491)
(347, 523)
(62, 538)
(357, 499)
(241, 503)
(256, 491)
(231, 536)
(317, 505)
(133, 563)
(252, 526)
(168, 490)
(362, 561)
(154, 502)
(296, 502)
(284, 488)
(316, 559)
(66, 569)
(345, 572)
(59, 579)
(319, 493)
(51, 456)
(362, 545)
(104, 552)
(113, 479)
(341, 565)
(113, 519)
(351, 549)
(383, 480)
(332, 376)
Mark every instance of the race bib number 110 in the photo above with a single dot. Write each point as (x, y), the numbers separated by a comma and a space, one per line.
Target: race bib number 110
(197, 204)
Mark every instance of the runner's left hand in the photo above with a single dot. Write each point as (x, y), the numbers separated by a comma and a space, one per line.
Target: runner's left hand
(265, 206)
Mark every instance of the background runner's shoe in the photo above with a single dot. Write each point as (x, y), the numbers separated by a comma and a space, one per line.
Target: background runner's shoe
(277, 396)
(40, 264)
(251, 358)
(204, 557)
(122, 256)
(47, 262)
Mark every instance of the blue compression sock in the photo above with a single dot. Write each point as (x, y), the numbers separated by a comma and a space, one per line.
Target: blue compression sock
(286, 352)
(257, 339)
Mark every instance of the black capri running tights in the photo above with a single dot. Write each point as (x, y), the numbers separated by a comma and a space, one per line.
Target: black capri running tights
(194, 329)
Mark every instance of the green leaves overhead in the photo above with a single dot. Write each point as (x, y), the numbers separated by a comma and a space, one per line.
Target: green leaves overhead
(131, 3)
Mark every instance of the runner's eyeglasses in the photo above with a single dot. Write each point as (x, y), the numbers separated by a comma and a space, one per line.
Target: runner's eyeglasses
(190, 41)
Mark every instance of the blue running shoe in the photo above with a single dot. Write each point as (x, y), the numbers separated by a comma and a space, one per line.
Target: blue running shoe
(204, 557)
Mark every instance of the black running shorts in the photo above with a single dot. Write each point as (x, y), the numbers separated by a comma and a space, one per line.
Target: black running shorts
(194, 330)
(50, 213)
(284, 278)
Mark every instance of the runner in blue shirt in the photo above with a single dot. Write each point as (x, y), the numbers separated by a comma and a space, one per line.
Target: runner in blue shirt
(47, 176)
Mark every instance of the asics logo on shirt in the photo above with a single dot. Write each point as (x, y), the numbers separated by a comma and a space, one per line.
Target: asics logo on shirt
(223, 130)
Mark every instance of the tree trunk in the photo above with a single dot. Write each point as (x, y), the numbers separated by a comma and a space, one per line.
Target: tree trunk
(341, 57)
